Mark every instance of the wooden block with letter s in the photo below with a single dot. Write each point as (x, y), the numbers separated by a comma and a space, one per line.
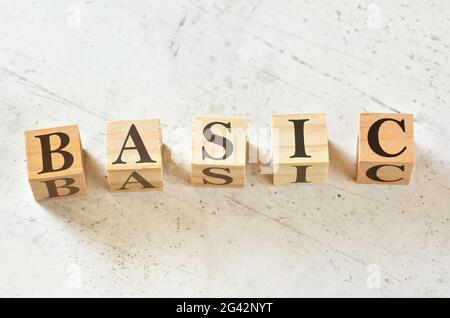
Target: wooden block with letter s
(300, 148)
(55, 162)
(385, 148)
(219, 151)
(133, 154)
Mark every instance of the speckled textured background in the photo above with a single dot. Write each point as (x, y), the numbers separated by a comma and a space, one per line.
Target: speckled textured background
(88, 62)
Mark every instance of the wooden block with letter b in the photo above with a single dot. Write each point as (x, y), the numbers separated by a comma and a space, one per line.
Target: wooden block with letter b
(300, 148)
(385, 148)
(134, 158)
(55, 162)
(219, 151)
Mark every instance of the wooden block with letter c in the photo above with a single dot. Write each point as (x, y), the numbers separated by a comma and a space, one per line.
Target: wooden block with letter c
(385, 148)
(219, 151)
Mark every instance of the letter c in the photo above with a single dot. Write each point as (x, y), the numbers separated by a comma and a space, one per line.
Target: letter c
(374, 141)
(372, 173)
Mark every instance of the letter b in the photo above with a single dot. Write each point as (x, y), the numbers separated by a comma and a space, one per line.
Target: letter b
(47, 152)
(55, 162)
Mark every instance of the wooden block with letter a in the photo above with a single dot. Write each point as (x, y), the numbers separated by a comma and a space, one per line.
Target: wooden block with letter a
(55, 162)
(385, 148)
(219, 151)
(300, 148)
(133, 154)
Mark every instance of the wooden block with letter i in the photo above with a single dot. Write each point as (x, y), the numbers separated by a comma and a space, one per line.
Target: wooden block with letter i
(55, 162)
(300, 148)
(385, 148)
(219, 151)
(134, 158)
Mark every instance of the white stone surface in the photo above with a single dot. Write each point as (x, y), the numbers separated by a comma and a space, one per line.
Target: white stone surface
(88, 62)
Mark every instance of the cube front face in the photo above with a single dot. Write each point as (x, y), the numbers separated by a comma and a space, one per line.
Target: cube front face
(73, 185)
(133, 154)
(301, 173)
(300, 148)
(55, 162)
(135, 180)
(219, 151)
(385, 148)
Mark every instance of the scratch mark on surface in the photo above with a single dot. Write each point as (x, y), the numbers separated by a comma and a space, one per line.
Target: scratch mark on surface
(258, 2)
(59, 231)
(340, 80)
(181, 23)
(98, 222)
(193, 274)
(175, 54)
(10, 106)
(20, 77)
(55, 96)
(421, 213)
(293, 229)
(329, 48)
(286, 82)
(379, 102)
(298, 232)
(52, 99)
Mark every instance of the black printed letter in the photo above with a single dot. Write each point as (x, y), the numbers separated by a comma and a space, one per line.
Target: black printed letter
(53, 189)
(301, 174)
(299, 127)
(374, 141)
(222, 141)
(139, 179)
(372, 173)
(139, 146)
(47, 165)
(225, 178)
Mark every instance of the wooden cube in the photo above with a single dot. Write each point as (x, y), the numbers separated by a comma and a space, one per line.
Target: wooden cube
(55, 162)
(133, 154)
(385, 148)
(300, 148)
(219, 151)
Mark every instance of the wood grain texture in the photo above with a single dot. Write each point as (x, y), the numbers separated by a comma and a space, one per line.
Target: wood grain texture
(315, 142)
(392, 139)
(37, 175)
(226, 147)
(120, 171)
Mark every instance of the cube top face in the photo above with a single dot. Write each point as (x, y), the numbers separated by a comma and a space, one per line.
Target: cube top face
(219, 141)
(53, 153)
(386, 138)
(133, 144)
(289, 150)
